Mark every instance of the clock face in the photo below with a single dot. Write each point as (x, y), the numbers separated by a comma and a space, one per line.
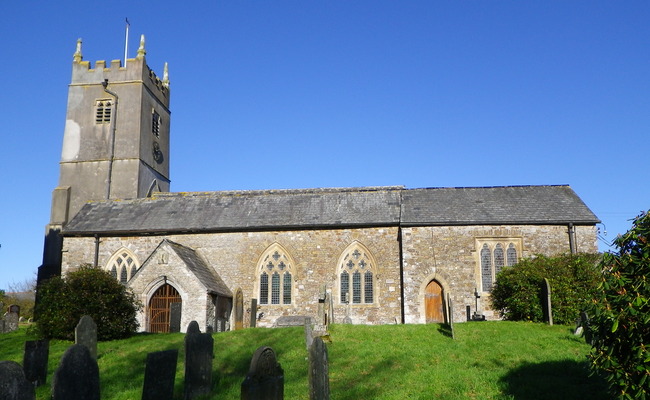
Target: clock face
(157, 154)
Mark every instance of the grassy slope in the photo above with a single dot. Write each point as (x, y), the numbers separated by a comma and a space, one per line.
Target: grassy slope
(488, 360)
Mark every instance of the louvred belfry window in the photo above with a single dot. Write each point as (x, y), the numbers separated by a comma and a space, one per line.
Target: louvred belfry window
(103, 111)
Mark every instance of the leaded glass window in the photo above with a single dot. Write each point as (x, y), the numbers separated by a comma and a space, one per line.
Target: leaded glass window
(357, 262)
(276, 264)
(511, 254)
(275, 288)
(486, 268)
(264, 288)
(499, 259)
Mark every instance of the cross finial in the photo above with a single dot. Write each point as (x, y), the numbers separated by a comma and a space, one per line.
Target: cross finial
(141, 50)
(77, 57)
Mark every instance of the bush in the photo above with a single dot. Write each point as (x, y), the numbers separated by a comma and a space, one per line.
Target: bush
(620, 317)
(87, 291)
(517, 293)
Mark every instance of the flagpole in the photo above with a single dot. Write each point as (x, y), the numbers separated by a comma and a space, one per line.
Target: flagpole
(126, 41)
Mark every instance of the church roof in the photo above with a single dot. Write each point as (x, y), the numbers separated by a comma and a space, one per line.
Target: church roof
(331, 208)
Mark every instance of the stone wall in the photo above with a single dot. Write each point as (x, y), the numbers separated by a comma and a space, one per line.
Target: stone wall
(446, 254)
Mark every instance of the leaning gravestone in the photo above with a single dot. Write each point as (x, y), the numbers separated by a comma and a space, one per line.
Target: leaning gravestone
(86, 334)
(546, 302)
(450, 307)
(11, 322)
(198, 362)
(265, 378)
(13, 385)
(77, 377)
(159, 375)
(35, 361)
(175, 310)
(253, 313)
(239, 309)
(319, 382)
(309, 337)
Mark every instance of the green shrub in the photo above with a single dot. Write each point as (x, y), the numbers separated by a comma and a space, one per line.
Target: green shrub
(517, 293)
(620, 317)
(87, 291)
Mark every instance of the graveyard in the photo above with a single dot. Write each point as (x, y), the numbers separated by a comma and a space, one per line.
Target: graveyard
(483, 360)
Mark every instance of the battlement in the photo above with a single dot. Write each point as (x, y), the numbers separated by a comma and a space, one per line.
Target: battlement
(136, 69)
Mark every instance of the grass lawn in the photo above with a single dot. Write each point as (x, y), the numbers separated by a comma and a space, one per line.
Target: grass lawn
(487, 360)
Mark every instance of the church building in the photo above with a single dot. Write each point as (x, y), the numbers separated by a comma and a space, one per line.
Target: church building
(379, 255)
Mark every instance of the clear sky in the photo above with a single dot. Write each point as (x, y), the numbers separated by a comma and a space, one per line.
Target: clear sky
(299, 94)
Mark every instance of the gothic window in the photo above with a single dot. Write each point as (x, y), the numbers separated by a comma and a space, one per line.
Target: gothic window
(155, 123)
(123, 265)
(275, 264)
(356, 261)
(494, 254)
(103, 111)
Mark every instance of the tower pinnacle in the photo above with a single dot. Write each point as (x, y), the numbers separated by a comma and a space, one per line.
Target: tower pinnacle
(77, 57)
(141, 50)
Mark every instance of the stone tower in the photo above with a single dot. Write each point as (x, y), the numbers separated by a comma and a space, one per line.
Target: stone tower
(115, 143)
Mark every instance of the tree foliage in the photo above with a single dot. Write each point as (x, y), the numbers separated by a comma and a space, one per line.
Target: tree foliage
(517, 293)
(87, 291)
(619, 328)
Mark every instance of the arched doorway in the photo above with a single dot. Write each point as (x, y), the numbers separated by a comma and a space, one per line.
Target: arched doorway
(159, 308)
(433, 300)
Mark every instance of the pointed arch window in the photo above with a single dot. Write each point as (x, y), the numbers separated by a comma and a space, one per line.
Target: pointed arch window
(276, 264)
(495, 254)
(357, 262)
(123, 265)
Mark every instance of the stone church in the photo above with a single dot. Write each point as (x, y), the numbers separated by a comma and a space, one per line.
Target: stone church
(380, 255)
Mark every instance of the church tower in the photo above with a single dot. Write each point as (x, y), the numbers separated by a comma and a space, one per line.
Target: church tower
(115, 143)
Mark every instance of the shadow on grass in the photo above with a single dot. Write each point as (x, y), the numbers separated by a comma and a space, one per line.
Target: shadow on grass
(566, 379)
(445, 330)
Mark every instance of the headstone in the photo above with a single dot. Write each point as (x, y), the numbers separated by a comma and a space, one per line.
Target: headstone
(319, 383)
(14, 308)
(159, 375)
(86, 334)
(321, 305)
(13, 385)
(253, 312)
(546, 302)
(35, 361)
(309, 338)
(193, 327)
(198, 362)
(175, 310)
(77, 377)
(468, 311)
(450, 307)
(11, 322)
(265, 378)
(239, 309)
(291, 320)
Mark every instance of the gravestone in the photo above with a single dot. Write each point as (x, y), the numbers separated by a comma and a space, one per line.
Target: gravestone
(175, 310)
(14, 308)
(77, 377)
(322, 295)
(319, 382)
(86, 334)
(291, 320)
(253, 312)
(35, 361)
(546, 302)
(11, 322)
(159, 375)
(265, 378)
(198, 362)
(450, 307)
(309, 337)
(239, 309)
(13, 385)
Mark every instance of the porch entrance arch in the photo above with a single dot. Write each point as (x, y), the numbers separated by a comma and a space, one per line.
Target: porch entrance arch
(159, 308)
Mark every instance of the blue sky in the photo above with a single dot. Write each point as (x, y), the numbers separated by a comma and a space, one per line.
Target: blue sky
(299, 94)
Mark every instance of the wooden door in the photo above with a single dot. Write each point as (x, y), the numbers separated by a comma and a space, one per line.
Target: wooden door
(433, 303)
(159, 308)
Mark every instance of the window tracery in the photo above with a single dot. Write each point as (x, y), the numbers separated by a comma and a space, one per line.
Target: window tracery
(123, 265)
(276, 265)
(357, 262)
(494, 254)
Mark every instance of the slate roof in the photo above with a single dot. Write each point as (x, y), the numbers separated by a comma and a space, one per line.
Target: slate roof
(331, 208)
(206, 275)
